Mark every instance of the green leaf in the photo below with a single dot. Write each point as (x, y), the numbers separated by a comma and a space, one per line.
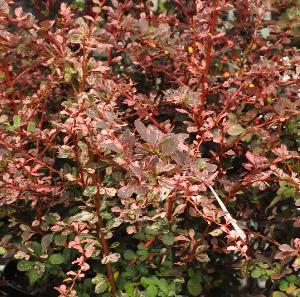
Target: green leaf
(201, 164)
(145, 282)
(130, 289)
(52, 218)
(75, 38)
(297, 262)
(191, 273)
(235, 130)
(262, 265)
(24, 265)
(35, 273)
(30, 126)
(278, 294)
(39, 268)
(17, 121)
(68, 76)
(283, 285)
(148, 281)
(275, 201)
(291, 278)
(56, 259)
(151, 291)
(194, 287)
(216, 232)
(60, 240)
(2, 250)
(67, 253)
(286, 189)
(37, 248)
(163, 285)
(2, 76)
(33, 276)
(168, 239)
(129, 255)
(143, 254)
(90, 191)
(257, 273)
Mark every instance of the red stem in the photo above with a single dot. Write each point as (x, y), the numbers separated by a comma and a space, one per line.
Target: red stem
(101, 236)
(170, 204)
(204, 80)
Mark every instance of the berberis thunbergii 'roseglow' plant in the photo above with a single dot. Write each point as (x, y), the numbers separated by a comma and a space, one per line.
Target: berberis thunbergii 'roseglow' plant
(150, 148)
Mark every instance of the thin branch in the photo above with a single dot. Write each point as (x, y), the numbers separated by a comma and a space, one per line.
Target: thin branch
(101, 236)
(238, 230)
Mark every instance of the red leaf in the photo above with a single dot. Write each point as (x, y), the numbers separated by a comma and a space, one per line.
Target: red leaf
(286, 248)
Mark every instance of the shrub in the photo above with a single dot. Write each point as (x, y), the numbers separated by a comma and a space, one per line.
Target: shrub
(134, 134)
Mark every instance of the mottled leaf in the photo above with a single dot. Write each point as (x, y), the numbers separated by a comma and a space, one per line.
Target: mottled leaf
(235, 130)
(111, 258)
(56, 259)
(24, 265)
(101, 283)
(168, 239)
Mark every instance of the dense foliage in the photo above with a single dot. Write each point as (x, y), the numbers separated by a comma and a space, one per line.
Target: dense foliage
(151, 148)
